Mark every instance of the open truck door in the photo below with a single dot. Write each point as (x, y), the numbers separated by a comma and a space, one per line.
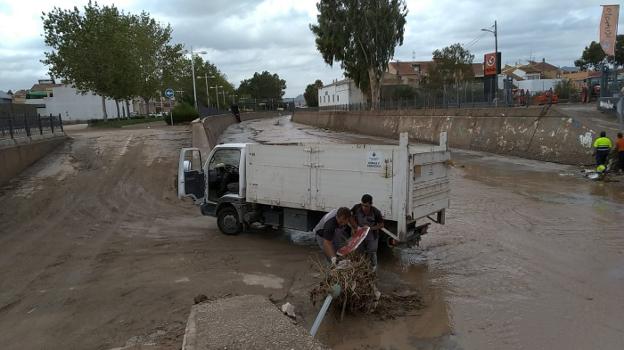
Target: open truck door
(191, 177)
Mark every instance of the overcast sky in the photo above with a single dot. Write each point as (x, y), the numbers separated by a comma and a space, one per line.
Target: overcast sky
(245, 36)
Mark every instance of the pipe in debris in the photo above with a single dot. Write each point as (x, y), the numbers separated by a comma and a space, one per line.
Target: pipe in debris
(319, 318)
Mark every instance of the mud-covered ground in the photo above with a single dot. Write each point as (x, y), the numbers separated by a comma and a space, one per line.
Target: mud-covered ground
(98, 253)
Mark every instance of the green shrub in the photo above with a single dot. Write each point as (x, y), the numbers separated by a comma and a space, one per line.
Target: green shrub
(565, 89)
(182, 113)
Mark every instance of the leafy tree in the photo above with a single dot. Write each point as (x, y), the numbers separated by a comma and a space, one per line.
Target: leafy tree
(263, 85)
(451, 65)
(183, 81)
(618, 59)
(311, 93)
(565, 89)
(404, 92)
(152, 54)
(83, 46)
(111, 53)
(591, 57)
(362, 36)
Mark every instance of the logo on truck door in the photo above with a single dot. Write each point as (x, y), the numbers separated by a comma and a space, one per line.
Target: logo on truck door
(375, 159)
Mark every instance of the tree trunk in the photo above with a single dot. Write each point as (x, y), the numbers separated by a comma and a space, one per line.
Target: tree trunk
(374, 89)
(147, 109)
(117, 105)
(104, 114)
(128, 108)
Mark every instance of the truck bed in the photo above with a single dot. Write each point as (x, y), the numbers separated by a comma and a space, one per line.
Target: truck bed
(408, 182)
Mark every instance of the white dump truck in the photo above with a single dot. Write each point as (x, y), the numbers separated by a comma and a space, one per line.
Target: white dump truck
(293, 186)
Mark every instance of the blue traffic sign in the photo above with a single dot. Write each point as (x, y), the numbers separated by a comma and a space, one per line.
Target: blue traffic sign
(169, 93)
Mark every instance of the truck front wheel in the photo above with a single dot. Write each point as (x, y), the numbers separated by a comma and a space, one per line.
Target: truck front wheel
(228, 221)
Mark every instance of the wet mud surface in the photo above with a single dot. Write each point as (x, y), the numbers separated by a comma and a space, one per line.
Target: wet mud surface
(532, 256)
(98, 253)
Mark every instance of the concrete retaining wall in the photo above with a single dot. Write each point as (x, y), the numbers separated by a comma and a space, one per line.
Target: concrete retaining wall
(507, 131)
(206, 131)
(16, 155)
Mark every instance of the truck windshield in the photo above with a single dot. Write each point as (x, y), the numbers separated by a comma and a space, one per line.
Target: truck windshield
(223, 173)
(225, 158)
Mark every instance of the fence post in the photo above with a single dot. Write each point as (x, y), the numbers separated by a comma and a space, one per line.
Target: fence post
(51, 123)
(40, 126)
(26, 126)
(61, 122)
(11, 126)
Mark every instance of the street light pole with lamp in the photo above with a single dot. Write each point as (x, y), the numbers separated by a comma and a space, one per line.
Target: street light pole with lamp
(217, 93)
(207, 91)
(495, 32)
(193, 71)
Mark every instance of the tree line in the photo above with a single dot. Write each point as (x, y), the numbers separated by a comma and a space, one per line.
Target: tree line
(123, 56)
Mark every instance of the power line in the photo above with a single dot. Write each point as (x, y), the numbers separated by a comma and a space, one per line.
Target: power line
(474, 41)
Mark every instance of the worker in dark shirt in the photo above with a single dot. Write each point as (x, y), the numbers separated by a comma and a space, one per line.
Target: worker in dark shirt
(333, 231)
(365, 214)
(235, 112)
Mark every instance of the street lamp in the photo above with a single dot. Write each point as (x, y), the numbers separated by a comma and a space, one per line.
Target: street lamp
(207, 91)
(193, 71)
(217, 93)
(495, 32)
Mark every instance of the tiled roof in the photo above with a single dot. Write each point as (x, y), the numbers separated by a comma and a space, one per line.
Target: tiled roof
(44, 87)
(407, 67)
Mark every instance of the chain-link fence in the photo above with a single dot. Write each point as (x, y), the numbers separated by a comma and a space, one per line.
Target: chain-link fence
(16, 122)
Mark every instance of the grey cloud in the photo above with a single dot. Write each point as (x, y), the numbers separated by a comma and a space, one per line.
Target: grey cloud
(240, 41)
(196, 8)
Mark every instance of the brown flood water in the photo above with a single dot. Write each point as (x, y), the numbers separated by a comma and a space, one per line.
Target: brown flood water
(531, 257)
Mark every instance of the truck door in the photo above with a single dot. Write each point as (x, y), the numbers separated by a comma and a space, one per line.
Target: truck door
(191, 178)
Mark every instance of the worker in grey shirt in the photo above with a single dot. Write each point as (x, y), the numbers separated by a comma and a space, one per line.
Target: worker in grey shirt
(333, 231)
(365, 214)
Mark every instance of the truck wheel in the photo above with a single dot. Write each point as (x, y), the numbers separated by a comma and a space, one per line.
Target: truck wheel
(228, 221)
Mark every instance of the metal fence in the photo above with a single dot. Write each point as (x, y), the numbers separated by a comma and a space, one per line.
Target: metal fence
(24, 123)
(458, 96)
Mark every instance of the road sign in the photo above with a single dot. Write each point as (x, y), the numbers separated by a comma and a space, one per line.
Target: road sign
(169, 93)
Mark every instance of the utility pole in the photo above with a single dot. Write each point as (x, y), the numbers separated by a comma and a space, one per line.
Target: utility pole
(495, 32)
(207, 91)
(497, 63)
(216, 94)
(193, 73)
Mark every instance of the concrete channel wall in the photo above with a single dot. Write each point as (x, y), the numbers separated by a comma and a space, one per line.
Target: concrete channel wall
(207, 130)
(17, 154)
(519, 132)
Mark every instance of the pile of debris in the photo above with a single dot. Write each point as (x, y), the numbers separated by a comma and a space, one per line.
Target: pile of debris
(356, 279)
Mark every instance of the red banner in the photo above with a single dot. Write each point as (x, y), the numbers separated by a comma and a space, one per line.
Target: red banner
(489, 64)
(608, 28)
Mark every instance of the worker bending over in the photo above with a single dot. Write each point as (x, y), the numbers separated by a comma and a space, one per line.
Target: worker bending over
(333, 231)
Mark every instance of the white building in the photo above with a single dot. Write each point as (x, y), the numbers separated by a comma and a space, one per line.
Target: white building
(342, 92)
(72, 105)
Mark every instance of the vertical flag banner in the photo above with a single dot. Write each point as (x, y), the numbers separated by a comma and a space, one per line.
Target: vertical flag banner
(608, 28)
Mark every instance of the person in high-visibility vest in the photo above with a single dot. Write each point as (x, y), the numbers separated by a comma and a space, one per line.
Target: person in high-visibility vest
(603, 146)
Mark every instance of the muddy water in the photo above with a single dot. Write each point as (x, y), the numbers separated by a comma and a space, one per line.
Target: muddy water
(531, 257)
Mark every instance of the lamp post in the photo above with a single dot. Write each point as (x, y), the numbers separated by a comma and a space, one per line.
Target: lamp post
(193, 71)
(207, 91)
(495, 32)
(216, 94)
(223, 93)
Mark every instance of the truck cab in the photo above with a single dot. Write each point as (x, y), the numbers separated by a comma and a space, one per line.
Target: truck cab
(217, 185)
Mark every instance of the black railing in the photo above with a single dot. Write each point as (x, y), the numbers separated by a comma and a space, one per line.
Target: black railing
(18, 125)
